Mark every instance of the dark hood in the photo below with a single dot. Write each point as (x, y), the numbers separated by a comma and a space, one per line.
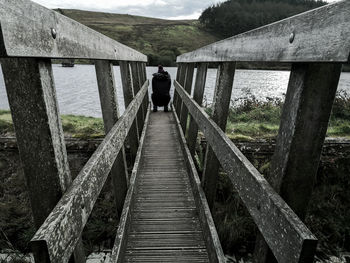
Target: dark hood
(162, 76)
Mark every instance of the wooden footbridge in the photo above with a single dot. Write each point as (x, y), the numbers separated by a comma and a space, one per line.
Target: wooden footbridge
(164, 207)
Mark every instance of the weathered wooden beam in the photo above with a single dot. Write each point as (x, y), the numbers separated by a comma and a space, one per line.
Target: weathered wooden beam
(144, 78)
(128, 91)
(179, 66)
(320, 35)
(31, 30)
(144, 72)
(211, 237)
(304, 122)
(176, 98)
(123, 228)
(198, 94)
(34, 108)
(62, 228)
(136, 83)
(110, 113)
(144, 104)
(188, 88)
(286, 235)
(181, 78)
(221, 105)
(136, 76)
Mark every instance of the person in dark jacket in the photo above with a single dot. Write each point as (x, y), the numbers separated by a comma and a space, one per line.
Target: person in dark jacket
(161, 83)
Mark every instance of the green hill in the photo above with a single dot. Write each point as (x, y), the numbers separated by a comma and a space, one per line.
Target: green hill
(162, 40)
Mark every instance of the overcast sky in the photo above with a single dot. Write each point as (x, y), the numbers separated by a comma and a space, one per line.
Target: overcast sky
(168, 9)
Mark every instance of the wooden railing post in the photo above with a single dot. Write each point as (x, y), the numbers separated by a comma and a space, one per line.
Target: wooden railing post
(221, 104)
(141, 82)
(32, 98)
(128, 91)
(181, 79)
(144, 78)
(289, 238)
(137, 86)
(61, 229)
(198, 97)
(110, 113)
(145, 74)
(307, 108)
(143, 71)
(188, 88)
(176, 96)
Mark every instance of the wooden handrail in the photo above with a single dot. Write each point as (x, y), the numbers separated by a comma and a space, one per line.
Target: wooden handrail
(320, 35)
(215, 252)
(287, 236)
(31, 30)
(56, 238)
(31, 35)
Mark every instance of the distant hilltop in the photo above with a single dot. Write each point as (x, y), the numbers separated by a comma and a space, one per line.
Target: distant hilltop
(162, 40)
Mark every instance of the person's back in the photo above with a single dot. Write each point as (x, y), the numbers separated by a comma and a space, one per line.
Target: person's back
(161, 84)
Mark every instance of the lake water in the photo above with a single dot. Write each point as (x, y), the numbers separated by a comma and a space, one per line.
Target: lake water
(77, 91)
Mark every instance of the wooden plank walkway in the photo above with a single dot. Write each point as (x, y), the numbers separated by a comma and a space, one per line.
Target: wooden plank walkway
(165, 225)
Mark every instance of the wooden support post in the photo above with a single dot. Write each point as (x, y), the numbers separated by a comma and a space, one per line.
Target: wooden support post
(181, 80)
(60, 231)
(198, 97)
(176, 97)
(182, 75)
(144, 77)
(178, 73)
(110, 113)
(272, 215)
(133, 137)
(136, 82)
(32, 98)
(141, 82)
(143, 70)
(188, 88)
(221, 104)
(307, 108)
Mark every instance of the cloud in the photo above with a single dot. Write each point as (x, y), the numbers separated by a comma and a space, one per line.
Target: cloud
(195, 15)
(168, 9)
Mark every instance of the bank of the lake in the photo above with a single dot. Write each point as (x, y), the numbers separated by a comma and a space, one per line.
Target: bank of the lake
(77, 91)
(252, 119)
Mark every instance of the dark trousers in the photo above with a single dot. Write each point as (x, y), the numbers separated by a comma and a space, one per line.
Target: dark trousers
(160, 100)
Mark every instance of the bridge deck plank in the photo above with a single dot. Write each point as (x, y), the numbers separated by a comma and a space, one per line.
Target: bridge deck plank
(165, 225)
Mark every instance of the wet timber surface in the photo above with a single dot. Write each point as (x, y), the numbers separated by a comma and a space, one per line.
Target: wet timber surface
(165, 225)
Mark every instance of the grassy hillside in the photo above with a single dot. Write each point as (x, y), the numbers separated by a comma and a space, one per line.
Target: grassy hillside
(162, 40)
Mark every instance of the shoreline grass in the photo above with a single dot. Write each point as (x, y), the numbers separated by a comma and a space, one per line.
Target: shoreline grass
(75, 126)
(247, 121)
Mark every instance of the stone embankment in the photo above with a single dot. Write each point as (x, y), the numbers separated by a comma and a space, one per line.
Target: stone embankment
(79, 151)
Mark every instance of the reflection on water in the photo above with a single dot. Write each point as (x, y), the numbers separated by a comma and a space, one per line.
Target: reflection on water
(77, 91)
